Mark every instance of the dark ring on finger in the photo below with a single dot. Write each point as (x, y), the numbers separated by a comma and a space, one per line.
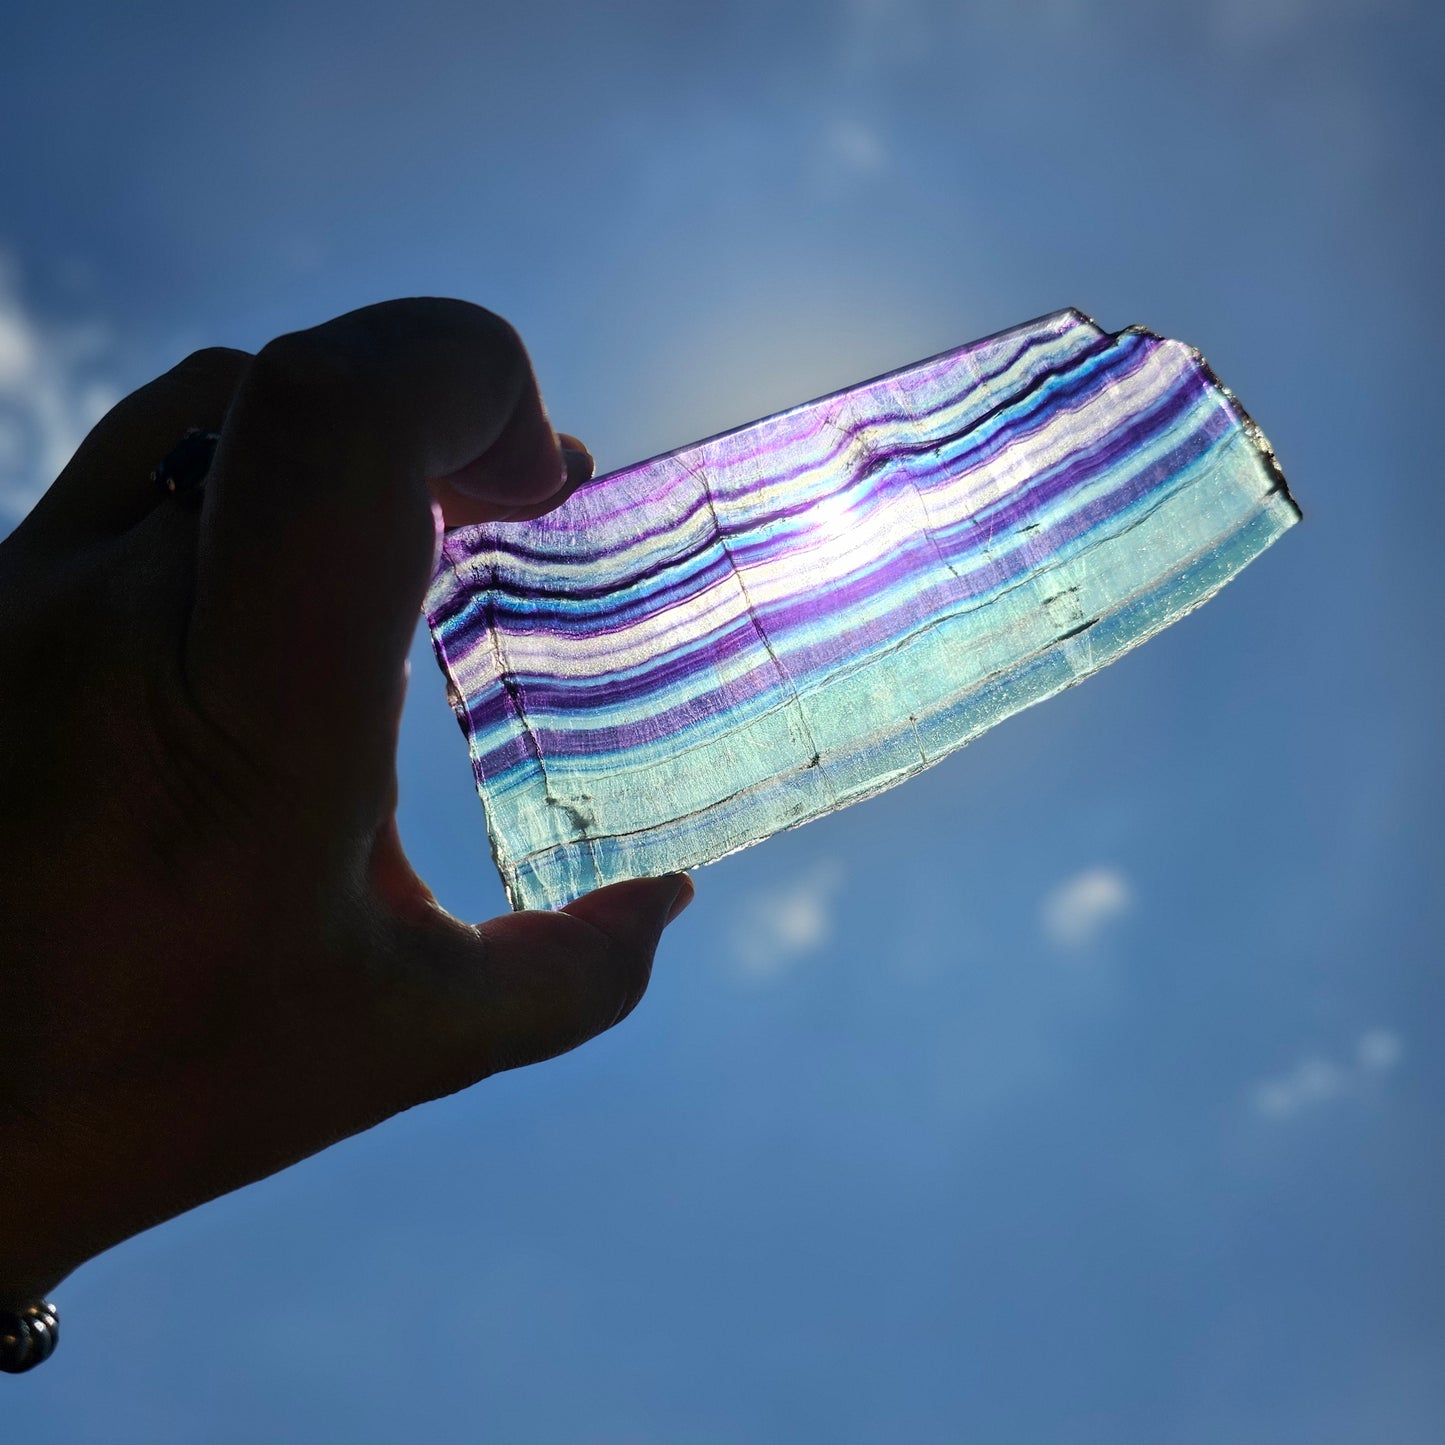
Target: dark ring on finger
(184, 467)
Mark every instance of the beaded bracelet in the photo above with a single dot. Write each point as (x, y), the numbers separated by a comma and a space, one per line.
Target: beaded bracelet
(28, 1337)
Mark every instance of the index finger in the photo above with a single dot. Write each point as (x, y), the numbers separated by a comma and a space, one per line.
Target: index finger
(317, 531)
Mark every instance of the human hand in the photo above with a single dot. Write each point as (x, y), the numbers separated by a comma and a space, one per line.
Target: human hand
(215, 958)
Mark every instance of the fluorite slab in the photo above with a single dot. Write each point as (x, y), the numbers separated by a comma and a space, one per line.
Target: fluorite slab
(697, 651)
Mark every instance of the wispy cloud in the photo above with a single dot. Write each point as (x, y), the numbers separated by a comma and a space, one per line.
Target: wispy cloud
(779, 926)
(1379, 1050)
(1077, 912)
(856, 146)
(1317, 1079)
(847, 153)
(51, 394)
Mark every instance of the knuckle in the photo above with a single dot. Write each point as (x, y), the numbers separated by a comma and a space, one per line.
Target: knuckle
(506, 347)
(503, 335)
(296, 356)
(370, 381)
(299, 375)
(315, 407)
(481, 338)
(444, 315)
(219, 362)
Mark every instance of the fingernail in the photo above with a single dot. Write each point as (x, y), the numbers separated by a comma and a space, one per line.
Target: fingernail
(439, 532)
(578, 466)
(685, 894)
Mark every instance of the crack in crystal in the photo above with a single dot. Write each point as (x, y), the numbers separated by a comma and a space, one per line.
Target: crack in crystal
(787, 678)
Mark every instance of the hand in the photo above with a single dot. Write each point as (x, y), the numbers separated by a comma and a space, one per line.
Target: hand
(215, 958)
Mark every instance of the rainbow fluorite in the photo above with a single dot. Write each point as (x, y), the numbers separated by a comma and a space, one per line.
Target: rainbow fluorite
(749, 632)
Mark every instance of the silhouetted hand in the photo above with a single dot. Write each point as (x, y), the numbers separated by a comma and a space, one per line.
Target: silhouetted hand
(214, 956)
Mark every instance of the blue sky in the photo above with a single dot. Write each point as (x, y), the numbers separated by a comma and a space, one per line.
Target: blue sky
(1084, 1090)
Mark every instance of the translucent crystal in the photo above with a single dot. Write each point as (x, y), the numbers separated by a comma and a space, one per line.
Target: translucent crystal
(749, 632)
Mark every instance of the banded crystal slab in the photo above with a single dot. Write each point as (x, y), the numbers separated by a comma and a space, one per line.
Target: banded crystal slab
(747, 633)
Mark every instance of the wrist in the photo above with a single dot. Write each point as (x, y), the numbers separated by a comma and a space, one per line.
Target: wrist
(35, 1250)
(29, 1325)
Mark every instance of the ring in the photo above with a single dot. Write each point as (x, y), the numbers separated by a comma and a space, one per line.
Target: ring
(184, 467)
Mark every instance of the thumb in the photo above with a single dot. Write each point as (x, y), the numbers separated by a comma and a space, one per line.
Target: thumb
(531, 985)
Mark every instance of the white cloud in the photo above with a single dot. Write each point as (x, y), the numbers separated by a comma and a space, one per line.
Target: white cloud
(1316, 1080)
(1076, 913)
(781, 925)
(50, 396)
(17, 348)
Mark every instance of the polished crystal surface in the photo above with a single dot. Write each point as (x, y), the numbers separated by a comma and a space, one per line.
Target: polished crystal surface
(697, 651)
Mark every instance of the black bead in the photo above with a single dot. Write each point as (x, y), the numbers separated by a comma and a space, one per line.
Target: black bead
(15, 1348)
(28, 1337)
